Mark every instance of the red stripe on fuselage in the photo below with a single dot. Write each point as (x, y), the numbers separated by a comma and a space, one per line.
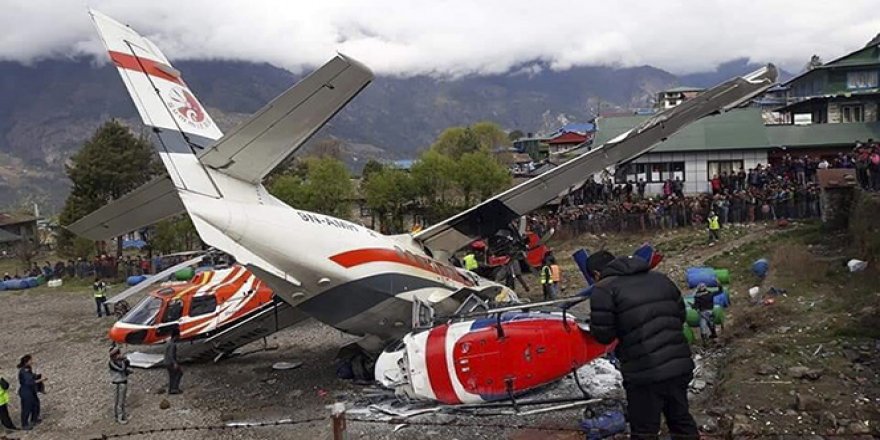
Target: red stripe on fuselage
(358, 257)
(150, 67)
(438, 369)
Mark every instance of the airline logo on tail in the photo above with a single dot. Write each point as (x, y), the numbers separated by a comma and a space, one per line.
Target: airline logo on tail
(187, 109)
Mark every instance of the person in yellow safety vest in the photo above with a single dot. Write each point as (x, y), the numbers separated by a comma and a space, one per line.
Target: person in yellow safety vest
(470, 262)
(100, 288)
(5, 420)
(547, 283)
(714, 227)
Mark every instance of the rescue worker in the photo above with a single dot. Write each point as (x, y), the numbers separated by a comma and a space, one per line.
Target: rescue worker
(470, 262)
(714, 227)
(28, 384)
(100, 291)
(643, 310)
(704, 302)
(546, 278)
(175, 372)
(119, 371)
(5, 420)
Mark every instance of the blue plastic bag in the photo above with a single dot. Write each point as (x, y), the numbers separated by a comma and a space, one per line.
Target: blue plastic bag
(604, 426)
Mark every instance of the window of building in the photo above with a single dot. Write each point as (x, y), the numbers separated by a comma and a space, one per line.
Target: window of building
(865, 79)
(852, 113)
(202, 305)
(717, 167)
(651, 172)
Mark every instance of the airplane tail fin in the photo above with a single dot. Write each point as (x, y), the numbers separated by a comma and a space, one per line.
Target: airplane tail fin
(164, 102)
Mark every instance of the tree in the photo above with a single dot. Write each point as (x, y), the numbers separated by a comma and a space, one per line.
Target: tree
(372, 166)
(109, 165)
(389, 195)
(174, 235)
(479, 174)
(433, 181)
(489, 135)
(456, 141)
(515, 135)
(319, 185)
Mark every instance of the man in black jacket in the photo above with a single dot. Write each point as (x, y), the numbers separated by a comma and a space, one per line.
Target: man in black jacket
(644, 311)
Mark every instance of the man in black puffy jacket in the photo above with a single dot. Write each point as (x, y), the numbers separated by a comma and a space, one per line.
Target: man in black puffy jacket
(644, 311)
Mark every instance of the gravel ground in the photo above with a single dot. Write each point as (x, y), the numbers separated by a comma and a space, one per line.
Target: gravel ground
(70, 349)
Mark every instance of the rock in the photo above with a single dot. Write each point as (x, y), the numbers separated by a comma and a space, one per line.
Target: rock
(710, 425)
(766, 370)
(852, 355)
(801, 372)
(859, 428)
(828, 419)
(791, 413)
(160, 391)
(698, 384)
(807, 403)
(741, 426)
(164, 404)
(272, 381)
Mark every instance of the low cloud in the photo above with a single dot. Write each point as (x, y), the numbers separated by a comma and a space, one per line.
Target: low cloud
(454, 38)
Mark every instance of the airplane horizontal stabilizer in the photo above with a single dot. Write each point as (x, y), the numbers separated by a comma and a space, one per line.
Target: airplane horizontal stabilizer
(153, 201)
(276, 131)
(498, 212)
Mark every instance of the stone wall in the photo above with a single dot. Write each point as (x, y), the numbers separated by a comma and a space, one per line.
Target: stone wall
(836, 206)
(864, 224)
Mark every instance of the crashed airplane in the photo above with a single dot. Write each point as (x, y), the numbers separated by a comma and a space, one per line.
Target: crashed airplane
(338, 272)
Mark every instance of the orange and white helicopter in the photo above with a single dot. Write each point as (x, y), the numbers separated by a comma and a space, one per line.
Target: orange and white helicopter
(216, 312)
(341, 273)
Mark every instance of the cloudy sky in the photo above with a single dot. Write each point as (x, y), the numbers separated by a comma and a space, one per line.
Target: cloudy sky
(450, 38)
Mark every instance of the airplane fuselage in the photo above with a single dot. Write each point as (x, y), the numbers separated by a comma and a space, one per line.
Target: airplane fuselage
(341, 273)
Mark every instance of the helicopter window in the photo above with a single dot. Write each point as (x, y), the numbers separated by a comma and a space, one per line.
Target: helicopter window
(173, 312)
(144, 313)
(202, 305)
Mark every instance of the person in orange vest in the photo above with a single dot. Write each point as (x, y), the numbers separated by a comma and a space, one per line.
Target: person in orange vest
(556, 276)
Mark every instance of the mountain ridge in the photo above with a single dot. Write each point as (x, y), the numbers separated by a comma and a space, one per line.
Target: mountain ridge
(51, 107)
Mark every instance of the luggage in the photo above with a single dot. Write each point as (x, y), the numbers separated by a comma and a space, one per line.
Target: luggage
(185, 274)
(701, 275)
(760, 268)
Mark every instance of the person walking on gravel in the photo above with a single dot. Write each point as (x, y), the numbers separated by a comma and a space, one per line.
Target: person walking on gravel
(100, 288)
(175, 372)
(28, 384)
(119, 371)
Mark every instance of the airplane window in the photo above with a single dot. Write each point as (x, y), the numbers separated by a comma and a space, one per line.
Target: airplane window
(173, 312)
(202, 305)
(144, 313)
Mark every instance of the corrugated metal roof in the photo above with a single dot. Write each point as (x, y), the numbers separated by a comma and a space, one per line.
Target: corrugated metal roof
(743, 129)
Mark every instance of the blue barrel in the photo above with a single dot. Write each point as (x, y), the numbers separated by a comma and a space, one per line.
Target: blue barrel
(722, 300)
(15, 284)
(760, 268)
(31, 282)
(2, 286)
(697, 275)
(134, 279)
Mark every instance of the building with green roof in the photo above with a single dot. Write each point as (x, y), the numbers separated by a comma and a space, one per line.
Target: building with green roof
(821, 112)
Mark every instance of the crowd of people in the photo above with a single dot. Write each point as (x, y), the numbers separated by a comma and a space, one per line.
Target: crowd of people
(788, 189)
(101, 266)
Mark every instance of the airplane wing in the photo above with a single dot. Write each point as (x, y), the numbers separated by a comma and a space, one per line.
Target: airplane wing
(154, 201)
(488, 217)
(276, 131)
